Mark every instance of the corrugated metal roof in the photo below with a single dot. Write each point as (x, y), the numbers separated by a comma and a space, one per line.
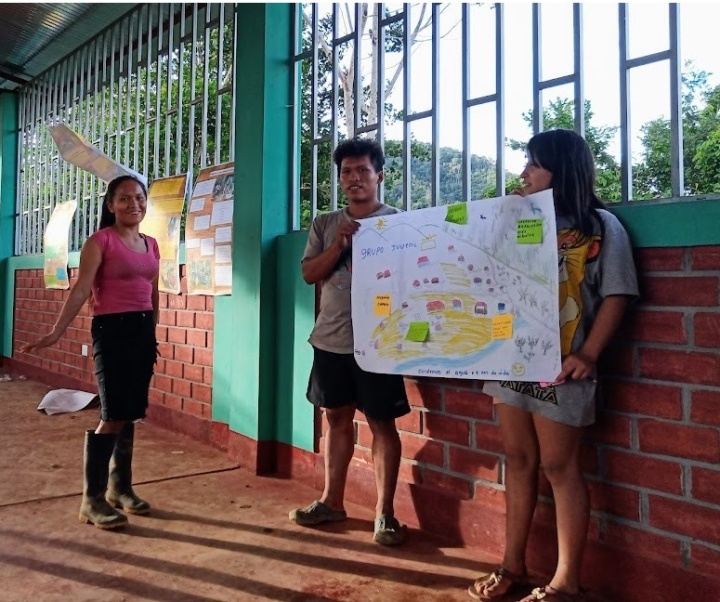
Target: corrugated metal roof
(33, 37)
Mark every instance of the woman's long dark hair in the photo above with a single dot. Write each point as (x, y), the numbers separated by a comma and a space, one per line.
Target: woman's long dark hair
(567, 156)
(107, 218)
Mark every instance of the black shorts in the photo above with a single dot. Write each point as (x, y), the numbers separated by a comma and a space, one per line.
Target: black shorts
(337, 381)
(124, 353)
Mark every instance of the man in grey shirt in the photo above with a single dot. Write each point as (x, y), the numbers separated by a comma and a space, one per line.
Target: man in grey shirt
(337, 384)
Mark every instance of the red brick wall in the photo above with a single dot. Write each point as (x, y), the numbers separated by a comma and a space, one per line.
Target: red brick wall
(183, 374)
(652, 460)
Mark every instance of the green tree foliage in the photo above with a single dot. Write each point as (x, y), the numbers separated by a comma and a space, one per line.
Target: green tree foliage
(701, 143)
(560, 113)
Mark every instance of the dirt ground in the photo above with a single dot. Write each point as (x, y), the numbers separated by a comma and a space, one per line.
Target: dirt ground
(216, 532)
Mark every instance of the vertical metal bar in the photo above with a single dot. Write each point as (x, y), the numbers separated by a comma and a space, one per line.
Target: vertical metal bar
(435, 119)
(112, 136)
(625, 159)
(106, 90)
(234, 84)
(128, 91)
(138, 88)
(63, 115)
(578, 43)
(206, 76)
(379, 13)
(75, 173)
(193, 76)
(122, 95)
(334, 117)
(219, 98)
(181, 83)
(500, 98)
(537, 68)
(677, 168)
(96, 108)
(465, 87)
(380, 66)
(32, 172)
(80, 216)
(406, 150)
(158, 90)
(313, 108)
(357, 73)
(168, 97)
(43, 152)
(148, 88)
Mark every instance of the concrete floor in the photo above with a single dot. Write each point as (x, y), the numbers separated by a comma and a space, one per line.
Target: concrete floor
(216, 532)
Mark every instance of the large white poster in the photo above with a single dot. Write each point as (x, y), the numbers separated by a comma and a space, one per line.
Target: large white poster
(460, 291)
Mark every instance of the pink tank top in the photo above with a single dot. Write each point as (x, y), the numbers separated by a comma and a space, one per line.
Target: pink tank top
(124, 280)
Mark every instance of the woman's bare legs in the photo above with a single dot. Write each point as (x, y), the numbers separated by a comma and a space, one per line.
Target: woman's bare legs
(560, 459)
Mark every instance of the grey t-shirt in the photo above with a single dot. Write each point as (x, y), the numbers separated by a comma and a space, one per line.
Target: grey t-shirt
(333, 327)
(591, 268)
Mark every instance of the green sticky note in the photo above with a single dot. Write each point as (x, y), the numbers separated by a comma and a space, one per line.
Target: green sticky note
(418, 332)
(530, 231)
(457, 214)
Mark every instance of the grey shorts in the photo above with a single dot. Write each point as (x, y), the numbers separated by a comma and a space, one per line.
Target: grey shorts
(337, 381)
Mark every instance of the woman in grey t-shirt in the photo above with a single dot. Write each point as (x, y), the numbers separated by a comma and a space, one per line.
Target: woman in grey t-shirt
(541, 423)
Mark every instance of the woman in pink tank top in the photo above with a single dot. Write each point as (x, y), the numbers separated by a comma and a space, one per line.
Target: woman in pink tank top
(119, 270)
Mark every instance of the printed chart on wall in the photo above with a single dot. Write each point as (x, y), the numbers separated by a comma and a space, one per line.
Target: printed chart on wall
(166, 200)
(459, 291)
(78, 151)
(208, 232)
(55, 246)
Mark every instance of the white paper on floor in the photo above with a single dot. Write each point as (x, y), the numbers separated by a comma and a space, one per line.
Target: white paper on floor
(65, 400)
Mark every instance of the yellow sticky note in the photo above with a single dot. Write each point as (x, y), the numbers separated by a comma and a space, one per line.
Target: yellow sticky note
(418, 332)
(502, 326)
(530, 231)
(457, 214)
(382, 305)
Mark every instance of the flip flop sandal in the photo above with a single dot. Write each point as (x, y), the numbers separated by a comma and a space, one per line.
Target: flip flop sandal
(491, 585)
(550, 594)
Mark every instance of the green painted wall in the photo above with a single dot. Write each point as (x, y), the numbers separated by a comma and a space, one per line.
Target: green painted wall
(245, 359)
(8, 185)
(672, 224)
(296, 317)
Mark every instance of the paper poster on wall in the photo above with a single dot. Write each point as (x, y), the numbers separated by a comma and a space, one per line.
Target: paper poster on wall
(459, 292)
(208, 232)
(55, 246)
(166, 200)
(78, 151)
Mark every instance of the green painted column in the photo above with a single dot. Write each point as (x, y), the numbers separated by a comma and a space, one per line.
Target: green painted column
(246, 326)
(8, 185)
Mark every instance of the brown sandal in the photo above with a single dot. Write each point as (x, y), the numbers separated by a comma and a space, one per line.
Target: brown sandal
(486, 588)
(550, 594)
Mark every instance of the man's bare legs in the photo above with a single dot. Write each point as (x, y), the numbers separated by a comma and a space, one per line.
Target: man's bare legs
(386, 452)
(339, 448)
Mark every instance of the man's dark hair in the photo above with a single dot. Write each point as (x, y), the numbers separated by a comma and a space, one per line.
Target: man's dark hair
(360, 147)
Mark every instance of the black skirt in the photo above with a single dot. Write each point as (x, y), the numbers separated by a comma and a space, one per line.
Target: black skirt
(124, 352)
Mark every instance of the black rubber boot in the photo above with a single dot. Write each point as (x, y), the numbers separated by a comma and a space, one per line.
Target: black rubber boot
(120, 492)
(94, 508)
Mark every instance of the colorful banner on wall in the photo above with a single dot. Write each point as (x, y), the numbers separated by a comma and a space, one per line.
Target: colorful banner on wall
(78, 151)
(166, 200)
(55, 246)
(208, 232)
